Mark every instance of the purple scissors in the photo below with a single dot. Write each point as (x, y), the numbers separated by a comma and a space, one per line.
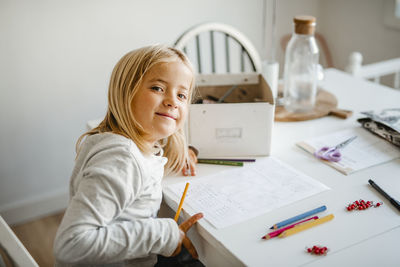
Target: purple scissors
(333, 153)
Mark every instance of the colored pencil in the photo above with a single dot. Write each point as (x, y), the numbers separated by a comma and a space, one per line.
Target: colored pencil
(279, 231)
(239, 160)
(181, 203)
(298, 217)
(305, 226)
(220, 162)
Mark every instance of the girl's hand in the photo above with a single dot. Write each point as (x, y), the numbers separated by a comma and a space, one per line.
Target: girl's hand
(184, 227)
(191, 165)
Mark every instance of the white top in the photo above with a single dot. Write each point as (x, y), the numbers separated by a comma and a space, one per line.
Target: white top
(115, 194)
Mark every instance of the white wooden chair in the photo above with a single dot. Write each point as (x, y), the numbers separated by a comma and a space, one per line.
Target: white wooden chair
(376, 70)
(12, 251)
(219, 48)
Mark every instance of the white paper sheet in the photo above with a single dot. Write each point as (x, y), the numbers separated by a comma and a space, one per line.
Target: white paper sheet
(365, 151)
(241, 193)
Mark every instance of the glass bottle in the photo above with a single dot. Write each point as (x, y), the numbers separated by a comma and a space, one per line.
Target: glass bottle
(301, 67)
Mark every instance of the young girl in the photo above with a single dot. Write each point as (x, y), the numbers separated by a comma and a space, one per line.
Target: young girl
(115, 188)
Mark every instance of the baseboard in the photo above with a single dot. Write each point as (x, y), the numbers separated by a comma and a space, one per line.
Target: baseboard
(34, 208)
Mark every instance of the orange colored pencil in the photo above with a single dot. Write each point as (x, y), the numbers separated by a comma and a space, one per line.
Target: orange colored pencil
(181, 203)
(301, 227)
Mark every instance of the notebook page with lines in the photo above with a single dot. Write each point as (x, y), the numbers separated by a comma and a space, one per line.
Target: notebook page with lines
(241, 193)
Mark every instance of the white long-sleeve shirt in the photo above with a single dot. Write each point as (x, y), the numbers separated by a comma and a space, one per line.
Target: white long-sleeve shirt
(115, 194)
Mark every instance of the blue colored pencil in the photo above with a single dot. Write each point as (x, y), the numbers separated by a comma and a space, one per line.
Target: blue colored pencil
(298, 217)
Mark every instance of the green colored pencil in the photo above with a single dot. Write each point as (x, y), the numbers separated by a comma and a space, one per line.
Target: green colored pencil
(220, 162)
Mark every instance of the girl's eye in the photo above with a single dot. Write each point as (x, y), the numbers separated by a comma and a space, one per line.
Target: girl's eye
(182, 96)
(156, 88)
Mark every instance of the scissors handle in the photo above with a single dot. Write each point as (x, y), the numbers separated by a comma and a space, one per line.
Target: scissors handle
(333, 153)
(329, 153)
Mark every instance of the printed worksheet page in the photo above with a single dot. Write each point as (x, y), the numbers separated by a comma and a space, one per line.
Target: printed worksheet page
(241, 193)
(365, 151)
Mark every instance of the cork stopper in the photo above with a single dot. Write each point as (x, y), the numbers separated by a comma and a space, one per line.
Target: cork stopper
(304, 24)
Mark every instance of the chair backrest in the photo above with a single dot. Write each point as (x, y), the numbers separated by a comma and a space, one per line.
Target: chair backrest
(374, 71)
(219, 48)
(325, 53)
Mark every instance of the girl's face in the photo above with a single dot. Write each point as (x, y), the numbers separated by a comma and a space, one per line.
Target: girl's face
(160, 105)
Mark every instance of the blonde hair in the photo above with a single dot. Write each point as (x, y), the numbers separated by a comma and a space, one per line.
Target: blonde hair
(125, 80)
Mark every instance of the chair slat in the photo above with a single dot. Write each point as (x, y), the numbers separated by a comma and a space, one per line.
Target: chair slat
(212, 51)
(253, 66)
(198, 53)
(242, 53)
(228, 64)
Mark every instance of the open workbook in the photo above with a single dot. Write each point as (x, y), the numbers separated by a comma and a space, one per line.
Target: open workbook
(239, 194)
(365, 151)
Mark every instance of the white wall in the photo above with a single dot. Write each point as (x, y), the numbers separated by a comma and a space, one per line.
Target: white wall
(358, 25)
(56, 58)
(286, 10)
(347, 25)
(55, 62)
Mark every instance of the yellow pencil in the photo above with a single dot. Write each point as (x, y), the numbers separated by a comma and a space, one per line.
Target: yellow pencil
(181, 203)
(301, 227)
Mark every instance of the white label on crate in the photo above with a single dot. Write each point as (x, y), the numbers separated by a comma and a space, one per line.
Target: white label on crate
(228, 134)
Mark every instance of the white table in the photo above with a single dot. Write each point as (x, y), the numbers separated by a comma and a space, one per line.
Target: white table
(364, 238)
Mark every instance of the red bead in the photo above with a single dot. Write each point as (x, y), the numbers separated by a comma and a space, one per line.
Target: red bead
(361, 204)
(317, 250)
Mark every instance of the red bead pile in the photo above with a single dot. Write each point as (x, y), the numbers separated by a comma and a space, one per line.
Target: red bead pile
(362, 205)
(317, 250)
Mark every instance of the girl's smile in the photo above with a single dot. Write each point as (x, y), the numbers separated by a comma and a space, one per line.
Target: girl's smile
(166, 115)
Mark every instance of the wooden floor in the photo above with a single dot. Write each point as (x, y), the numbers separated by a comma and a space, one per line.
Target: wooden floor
(38, 236)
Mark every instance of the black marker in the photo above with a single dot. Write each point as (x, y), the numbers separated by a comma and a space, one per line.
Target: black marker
(394, 202)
